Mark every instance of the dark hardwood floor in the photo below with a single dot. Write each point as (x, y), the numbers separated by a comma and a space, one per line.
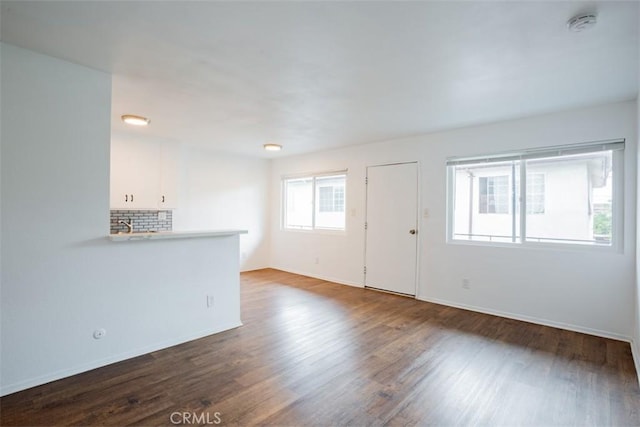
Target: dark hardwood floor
(317, 353)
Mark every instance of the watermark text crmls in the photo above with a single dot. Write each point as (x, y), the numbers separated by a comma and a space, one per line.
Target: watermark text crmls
(179, 417)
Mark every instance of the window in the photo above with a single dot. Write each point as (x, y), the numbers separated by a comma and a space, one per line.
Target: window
(314, 202)
(558, 195)
(494, 194)
(535, 193)
(299, 203)
(331, 195)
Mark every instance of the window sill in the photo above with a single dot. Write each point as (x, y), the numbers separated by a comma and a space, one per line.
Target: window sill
(572, 247)
(320, 231)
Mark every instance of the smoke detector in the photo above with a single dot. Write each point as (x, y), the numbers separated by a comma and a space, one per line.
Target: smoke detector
(582, 22)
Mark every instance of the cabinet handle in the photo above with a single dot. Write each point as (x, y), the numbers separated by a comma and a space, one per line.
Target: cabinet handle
(126, 197)
(132, 197)
(162, 199)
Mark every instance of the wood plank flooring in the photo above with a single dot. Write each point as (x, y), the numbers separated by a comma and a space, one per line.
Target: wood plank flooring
(317, 353)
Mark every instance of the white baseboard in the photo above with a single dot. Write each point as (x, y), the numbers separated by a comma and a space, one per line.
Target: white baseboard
(530, 319)
(499, 313)
(33, 382)
(320, 277)
(635, 350)
(254, 269)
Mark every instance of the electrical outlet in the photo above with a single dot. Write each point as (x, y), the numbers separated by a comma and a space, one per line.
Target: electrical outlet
(466, 284)
(210, 301)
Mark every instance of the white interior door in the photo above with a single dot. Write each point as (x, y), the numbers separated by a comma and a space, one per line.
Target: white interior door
(391, 227)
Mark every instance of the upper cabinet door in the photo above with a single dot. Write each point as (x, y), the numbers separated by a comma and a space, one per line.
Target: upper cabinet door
(170, 158)
(135, 174)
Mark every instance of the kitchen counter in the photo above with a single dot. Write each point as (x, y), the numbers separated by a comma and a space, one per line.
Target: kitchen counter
(167, 288)
(161, 235)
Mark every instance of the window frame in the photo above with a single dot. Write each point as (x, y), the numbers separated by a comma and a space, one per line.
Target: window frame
(314, 200)
(520, 241)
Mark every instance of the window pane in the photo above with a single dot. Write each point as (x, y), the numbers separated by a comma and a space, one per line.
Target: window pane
(338, 199)
(535, 193)
(568, 189)
(494, 194)
(484, 202)
(572, 201)
(299, 203)
(325, 202)
(330, 202)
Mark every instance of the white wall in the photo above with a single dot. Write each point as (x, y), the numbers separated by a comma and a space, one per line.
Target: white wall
(61, 277)
(635, 343)
(225, 191)
(587, 291)
(214, 191)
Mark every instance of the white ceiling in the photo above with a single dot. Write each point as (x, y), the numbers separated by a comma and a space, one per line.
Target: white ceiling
(316, 75)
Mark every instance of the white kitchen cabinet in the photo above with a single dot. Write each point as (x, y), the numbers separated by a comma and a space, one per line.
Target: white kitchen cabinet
(143, 174)
(169, 167)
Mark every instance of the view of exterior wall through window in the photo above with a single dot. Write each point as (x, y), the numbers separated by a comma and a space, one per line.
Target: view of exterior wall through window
(314, 202)
(569, 196)
(494, 194)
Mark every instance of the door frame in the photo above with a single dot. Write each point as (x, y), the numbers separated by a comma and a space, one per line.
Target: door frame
(418, 225)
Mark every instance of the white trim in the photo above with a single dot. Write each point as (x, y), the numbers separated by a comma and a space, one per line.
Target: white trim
(542, 152)
(322, 174)
(450, 190)
(547, 246)
(366, 226)
(375, 165)
(328, 231)
(523, 201)
(320, 277)
(249, 270)
(64, 373)
(419, 228)
(618, 203)
(530, 319)
(508, 315)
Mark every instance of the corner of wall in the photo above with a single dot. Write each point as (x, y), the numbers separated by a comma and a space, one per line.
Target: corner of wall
(635, 353)
(635, 341)
(270, 213)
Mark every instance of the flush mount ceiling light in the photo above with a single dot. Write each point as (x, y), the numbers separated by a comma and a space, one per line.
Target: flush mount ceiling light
(272, 147)
(135, 120)
(582, 22)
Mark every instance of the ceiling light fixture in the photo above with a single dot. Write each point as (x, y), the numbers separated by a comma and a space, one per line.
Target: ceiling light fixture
(135, 120)
(272, 147)
(582, 22)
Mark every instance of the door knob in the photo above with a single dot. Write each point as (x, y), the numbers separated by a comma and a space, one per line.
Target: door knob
(412, 231)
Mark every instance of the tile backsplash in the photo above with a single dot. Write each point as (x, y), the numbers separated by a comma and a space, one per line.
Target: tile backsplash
(142, 220)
